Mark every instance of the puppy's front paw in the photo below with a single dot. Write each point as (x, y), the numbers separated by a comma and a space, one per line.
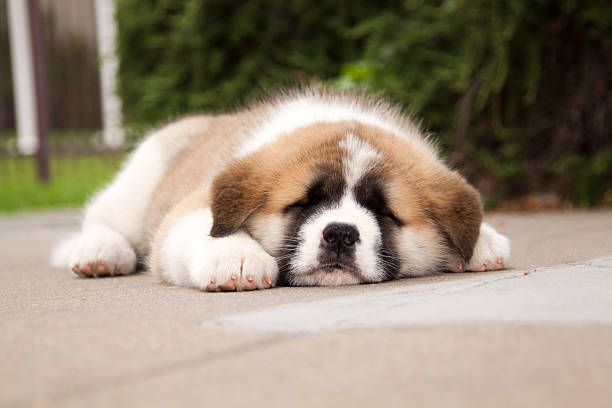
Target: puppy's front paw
(492, 251)
(233, 263)
(100, 251)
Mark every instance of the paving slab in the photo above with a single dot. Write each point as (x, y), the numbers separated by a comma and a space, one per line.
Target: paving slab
(540, 295)
(473, 339)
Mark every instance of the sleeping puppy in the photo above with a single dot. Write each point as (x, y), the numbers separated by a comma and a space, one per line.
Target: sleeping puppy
(310, 188)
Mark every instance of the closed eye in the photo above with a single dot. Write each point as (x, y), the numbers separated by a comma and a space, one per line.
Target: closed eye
(393, 218)
(314, 196)
(297, 205)
(388, 214)
(371, 194)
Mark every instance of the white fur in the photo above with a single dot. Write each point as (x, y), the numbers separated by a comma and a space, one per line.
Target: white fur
(269, 232)
(420, 251)
(62, 251)
(360, 157)
(191, 257)
(120, 208)
(311, 233)
(310, 108)
(492, 250)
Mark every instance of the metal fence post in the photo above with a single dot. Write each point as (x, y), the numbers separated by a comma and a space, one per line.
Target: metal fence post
(40, 80)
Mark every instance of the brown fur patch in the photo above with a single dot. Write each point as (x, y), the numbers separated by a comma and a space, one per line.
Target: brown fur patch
(236, 194)
(455, 206)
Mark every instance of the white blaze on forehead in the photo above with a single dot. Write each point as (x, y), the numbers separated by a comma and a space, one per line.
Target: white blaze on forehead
(348, 211)
(360, 157)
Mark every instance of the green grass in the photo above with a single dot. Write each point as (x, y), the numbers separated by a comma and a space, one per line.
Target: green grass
(73, 181)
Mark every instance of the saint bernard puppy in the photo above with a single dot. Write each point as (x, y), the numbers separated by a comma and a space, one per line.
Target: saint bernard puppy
(310, 188)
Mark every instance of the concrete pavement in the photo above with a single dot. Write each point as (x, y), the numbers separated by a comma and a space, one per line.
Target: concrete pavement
(477, 339)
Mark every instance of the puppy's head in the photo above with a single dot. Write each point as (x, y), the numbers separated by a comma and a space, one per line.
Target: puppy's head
(342, 203)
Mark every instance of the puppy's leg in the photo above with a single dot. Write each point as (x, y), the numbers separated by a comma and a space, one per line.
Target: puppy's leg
(113, 228)
(185, 254)
(492, 251)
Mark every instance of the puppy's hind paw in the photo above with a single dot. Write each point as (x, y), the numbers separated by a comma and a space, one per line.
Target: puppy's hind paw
(492, 251)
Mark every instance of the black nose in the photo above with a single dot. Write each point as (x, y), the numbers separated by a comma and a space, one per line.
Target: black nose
(340, 236)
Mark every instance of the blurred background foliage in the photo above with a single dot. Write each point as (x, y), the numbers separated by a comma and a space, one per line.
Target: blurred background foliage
(519, 93)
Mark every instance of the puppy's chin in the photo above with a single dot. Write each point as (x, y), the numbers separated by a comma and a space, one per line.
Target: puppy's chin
(327, 276)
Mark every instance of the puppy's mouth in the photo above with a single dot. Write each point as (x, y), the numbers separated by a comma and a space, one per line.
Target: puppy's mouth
(338, 267)
(330, 274)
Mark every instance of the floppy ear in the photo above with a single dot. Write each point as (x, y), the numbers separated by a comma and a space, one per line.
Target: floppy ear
(456, 208)
(236, 194)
